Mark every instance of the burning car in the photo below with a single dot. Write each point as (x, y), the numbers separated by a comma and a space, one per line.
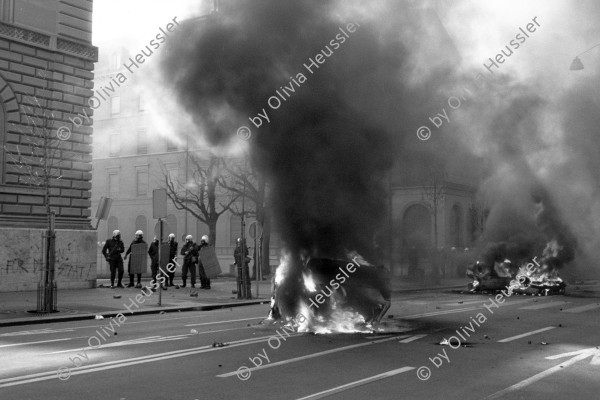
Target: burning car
(336, 295)
(529, 278)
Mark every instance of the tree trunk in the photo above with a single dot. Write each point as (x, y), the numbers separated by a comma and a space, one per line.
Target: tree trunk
(265, 261)
(212, 232)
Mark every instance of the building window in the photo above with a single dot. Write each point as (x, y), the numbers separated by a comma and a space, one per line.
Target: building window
(113, 184)
(235, 228)
(171, 145)
(116, 61)
(142, 103)
(201, 229)
(142, 141)
(141, 224)
(142, 182)
(2, 136)
(112, 225)
(173, 174)
(115, 105)
(114, 145)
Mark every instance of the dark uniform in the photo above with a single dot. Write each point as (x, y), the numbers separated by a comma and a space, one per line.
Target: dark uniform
(204, 281)
(240, 256)
(190, 255)
(112, 253)
(139, 276)
(172, 256)
(153, 253)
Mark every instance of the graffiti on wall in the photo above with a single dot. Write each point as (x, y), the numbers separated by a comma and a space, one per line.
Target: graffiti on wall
(65, 270)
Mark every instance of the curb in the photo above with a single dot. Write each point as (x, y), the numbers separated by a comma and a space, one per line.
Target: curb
(428, 289)
(108, 314)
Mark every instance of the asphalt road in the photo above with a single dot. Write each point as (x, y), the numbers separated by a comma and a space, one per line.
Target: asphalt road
(522, 348)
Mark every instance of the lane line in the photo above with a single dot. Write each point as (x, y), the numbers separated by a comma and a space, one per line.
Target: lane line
(537, 377)
(510, 339)
(546, 305)
(36, 332)
(44, 376)
(224, 322)
(412, 339)
(308, 356)
(354, 384)
(41, 341)
(433, 313)
(580, 309)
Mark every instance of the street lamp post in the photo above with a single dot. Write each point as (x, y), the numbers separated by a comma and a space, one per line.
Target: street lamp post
(576, 64)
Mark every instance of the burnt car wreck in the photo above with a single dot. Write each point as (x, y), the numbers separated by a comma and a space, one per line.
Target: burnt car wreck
(334, 295)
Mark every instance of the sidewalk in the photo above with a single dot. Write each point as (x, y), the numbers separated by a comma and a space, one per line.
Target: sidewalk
(80, 304)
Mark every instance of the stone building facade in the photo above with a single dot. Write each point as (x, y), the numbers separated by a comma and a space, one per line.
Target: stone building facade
(46, 68)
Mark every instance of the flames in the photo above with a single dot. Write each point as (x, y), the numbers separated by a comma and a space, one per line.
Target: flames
(535, 277)
(333, 314)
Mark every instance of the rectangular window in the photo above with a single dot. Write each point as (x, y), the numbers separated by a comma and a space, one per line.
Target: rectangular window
(115, 105)
(171, 145)
(142, 182)
(173, 175)
(142, 103)
(113, 184)
(116, 61)
(142, 141)
(114, 145)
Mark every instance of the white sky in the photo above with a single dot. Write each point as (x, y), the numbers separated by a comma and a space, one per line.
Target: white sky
(140, 19)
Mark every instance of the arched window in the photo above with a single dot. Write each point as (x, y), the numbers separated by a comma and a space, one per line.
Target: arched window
(141, 224)
(111, 225)
(235, 228)
(2, 136)
(169, 226)
(201, 229)
(456, 226)
(416, 227)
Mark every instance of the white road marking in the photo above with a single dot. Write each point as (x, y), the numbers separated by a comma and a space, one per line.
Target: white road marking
(313, 355)
(36, 332)
(545, 305)
(412, 339)
(579, 355)
(430, 314)
(459, 310)
(41, 341)
(510, 339)
(149, 339)
(580, 309)
(225, 322)
(44, 376)
(354, 384)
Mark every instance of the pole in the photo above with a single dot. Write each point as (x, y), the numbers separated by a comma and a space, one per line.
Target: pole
(159, 273)
(243, 249)
(187, 157)
(256, 259)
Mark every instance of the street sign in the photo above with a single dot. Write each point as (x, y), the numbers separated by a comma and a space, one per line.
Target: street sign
(254, 230)
(159, 203)
(103, 208)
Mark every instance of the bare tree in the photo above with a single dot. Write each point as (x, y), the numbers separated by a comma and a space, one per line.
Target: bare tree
(434, 193)
(203, 196)
(245, 181)
(38, 161)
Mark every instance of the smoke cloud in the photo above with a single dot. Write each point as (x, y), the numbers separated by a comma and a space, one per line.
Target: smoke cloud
(524, 136)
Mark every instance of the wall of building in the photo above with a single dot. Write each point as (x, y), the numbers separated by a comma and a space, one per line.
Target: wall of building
(22, 253)
(46, 78)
